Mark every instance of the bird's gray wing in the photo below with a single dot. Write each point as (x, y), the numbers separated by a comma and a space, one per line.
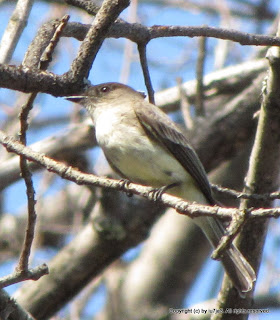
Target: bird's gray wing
(159, 127)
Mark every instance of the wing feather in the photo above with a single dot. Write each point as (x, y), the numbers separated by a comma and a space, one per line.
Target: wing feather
(160, 128)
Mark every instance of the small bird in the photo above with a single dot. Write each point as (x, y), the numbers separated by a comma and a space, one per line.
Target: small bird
(143, 145)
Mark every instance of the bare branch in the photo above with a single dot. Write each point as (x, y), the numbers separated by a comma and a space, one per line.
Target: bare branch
(80, 178)
(60, 146)
(185, 105)
(22, 266)
(233, 230)
(199, 101)
(46, 57)
(262, 177)
(215, 83)
(88, 254)
(14, 29)
(96, 34)
(88, 6)
(243, 195)
(39, 44)
(10, 309)
(145, 69)
(29, 80)
(28, 274)
(142, 34)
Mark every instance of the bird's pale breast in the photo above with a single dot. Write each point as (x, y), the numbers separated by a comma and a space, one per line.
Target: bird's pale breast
(133, 153)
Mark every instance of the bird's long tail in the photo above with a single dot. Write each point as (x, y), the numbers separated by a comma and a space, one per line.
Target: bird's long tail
(237, 267)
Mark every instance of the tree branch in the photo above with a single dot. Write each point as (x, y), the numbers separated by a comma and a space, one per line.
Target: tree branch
(10, 309)
(96, 34)
(16, 25)
(141, 34)
(22, 266)
(28, 274)
(69, 173)
(262, 177)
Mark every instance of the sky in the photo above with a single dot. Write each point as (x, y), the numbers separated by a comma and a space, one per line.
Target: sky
(169, 59)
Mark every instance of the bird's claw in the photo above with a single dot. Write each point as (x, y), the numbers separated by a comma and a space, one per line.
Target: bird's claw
(156, 193)
(124, 183)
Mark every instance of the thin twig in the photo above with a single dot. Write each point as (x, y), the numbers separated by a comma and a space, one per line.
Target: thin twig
(199, 99)
(232, 231)
(79, 136)
(95, 36)
(22, 266)
(30, 80)
(182, 206)
(243, 195)
(263, 176)
(30, 274)
(222, 48)
(185, 105)
(15, 27)
(141, 34)
(243, 38)
(128, 52)
(145, 69)
(46, 57)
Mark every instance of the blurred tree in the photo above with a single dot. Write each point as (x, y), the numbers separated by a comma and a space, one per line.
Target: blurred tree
(85, 234)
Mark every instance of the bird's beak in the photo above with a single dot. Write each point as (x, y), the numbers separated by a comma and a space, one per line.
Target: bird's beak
(76, 99)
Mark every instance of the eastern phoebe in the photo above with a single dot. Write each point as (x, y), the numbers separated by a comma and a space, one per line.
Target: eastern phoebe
(144, 146)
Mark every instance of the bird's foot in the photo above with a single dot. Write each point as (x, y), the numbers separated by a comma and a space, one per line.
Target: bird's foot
(156, 193)
(124, 183)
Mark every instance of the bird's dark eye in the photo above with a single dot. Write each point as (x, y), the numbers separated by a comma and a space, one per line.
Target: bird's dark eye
(105, 89)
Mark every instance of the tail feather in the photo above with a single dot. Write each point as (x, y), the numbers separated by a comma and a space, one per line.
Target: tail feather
(237, 267)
